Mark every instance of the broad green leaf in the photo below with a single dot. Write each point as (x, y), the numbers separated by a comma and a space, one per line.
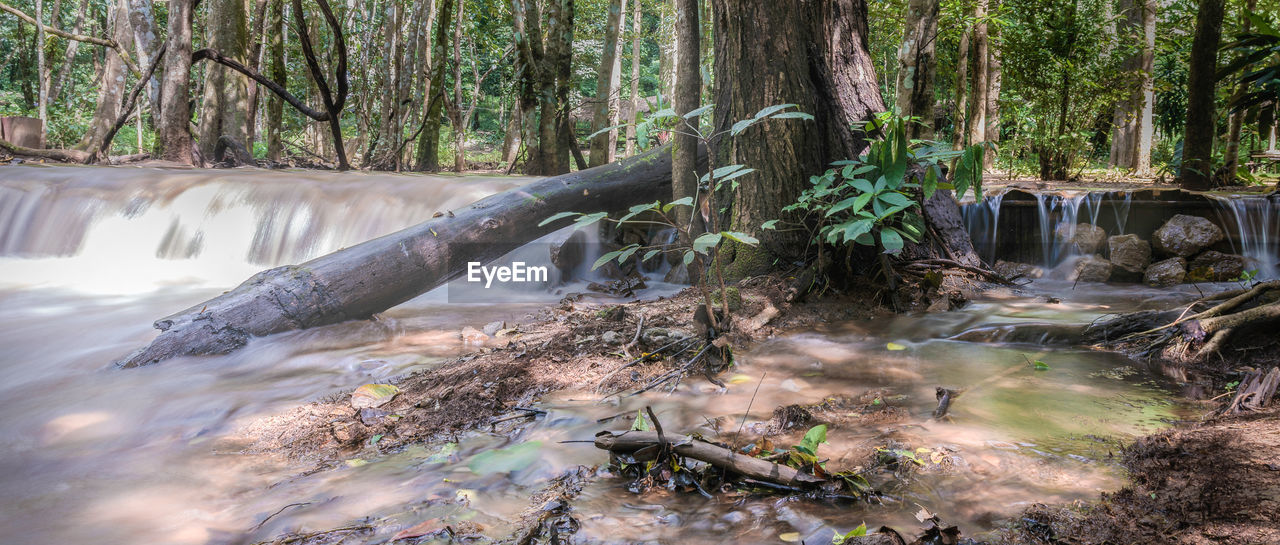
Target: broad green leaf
(649, 255)
(641, 423)
(589, 219)
(627, 253)
(638, 209)
(605, 259)
(698, 112)
(683, 201)
(844, 204)
(735, 174)
(814, 437)
(770, 110)
(930, 182)
(771, 224)
(559, 215)
(891, 241)
(688, 258)
(605, 130)
(794, 115)
(857, 229)
(663, 114)
(740, 237)
(373, 395)
(705, 242)
(505, 460)
(726, 170)
(741, 126)
(863, 186)
(893, 198)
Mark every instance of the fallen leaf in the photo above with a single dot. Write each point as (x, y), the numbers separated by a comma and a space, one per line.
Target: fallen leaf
(421, 529)
(739, 379)
(373, 395)
(790, 537)
(895, 346)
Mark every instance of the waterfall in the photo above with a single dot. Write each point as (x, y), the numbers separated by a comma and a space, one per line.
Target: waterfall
(1257, 220)
(982, 219)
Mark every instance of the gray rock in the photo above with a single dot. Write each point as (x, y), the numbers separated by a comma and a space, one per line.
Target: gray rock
(658, 336)
(1091, 268)
(1130, 256)
(611, 338)
(1214, 266)
(492, 328)
(1009, 269)
(1084, 238)
(1184, 236)
(1163, 274)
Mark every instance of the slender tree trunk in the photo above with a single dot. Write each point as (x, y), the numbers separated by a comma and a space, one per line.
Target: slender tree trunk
(1267, 126)
(977, 119)
(916, 65)
(42, 101)
(428, 159)
(994, 80)
(684, 149)
(224, 110)
(1131, 136)
(112, 83)
(456, 114)
(608, 79)
(815, 56)
(257, 37)
(275, 105)
(636, 19)
(143, 21)
(668, 53)
(962, 93)
(69, 56)
(1231, 156)
(175, 117)
(1146, 119)
(1197, 142)
(560, 65)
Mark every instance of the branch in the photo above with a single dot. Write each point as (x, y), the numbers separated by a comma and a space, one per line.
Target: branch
(64, 155)
(215, 56)
(110, 44)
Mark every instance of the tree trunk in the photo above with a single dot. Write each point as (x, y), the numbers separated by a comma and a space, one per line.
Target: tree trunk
(994, 80)
(455, 110)
(1146, 119)
(815, 56)
(224, 110)
(962, 92)
(143, 21)
(69, 56)
(428, 159)
(977, 119)
(1132, 120)
(42, 100)
(275, 105)
(668, 54)
(608, 82)
(1231, 156)
(916, 64)
(357, 282)
(256, 37)
(560, 64)
(684, 147)
(1267, 126)
(636, 18)
(1197, 141)
(175, 112)
(112, 83)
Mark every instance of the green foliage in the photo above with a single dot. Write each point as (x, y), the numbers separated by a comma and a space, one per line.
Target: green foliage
(1258, 64)
(860, 531)
(872, 201)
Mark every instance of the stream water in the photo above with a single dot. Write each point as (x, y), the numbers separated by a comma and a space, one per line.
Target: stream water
(89, 257)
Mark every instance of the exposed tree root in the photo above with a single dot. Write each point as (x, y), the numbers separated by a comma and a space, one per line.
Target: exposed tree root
(1255, 392)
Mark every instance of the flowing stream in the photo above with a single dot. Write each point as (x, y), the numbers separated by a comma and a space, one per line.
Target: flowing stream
(89, 257)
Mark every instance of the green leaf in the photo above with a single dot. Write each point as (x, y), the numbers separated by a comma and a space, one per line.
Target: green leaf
(794, 115)
(771, 224)
(649, 255)
(688, 258)
(735, 174)
(705, 242)
(664, 113)
(891, 241)
(1040, 365)
(893, 198)
(741, 126)
(627, 253)
(559, 215)
(740, 237)
(814, 437)
(373, 395)
(860, 531)
(846, 204)
(641, 423)
(699, 112)
(605, 259)
(770, 110)
(506, 460)
(895, 346)
(863, 186)
(683, 201)
(856, 229)
(930, 181)
(638, 209)
(589, 219)
(605, 130)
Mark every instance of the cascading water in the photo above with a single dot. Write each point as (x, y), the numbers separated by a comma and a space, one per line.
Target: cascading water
(982, 219)
(1257, 220)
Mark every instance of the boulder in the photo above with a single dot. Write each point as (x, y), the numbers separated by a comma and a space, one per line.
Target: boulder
(1130, 256)
(1083, 238)
(1184, 236)
(1163, 274)
(1091, 268)
(1214, 266)
(1011, 270)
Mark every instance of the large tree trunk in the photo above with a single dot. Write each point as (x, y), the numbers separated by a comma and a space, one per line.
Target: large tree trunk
(428, 156)
(69, 56)
(560, 64)
(994, 79)
(143, 21)
(278, 74)
(456, 117)
(1131, 135)
(916, 65)
(360, 281)
(815, 56)
(175, 117)
(977, 119)
(636, 16)
(112, 83)
(684, 146)
(224, 110)
(608, 84)
(1197, 141)
(42, 100)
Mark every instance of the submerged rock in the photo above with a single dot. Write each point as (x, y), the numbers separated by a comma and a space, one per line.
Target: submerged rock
(1184, 235)
(1163, 274)
(1009, 269)
(1214, 266)
(1130, 256)
(1084, 238)
(1091, 268)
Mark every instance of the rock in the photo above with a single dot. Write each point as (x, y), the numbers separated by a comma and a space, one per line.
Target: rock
(571, 253)
(370, 416)
(1091, 268)
(1009, 269)
(1184, 235)
(1130, 256)
(1163, 274)
(735, 298)
(658, 336)
(473, 336)
(611, 338)
(492, 328)
(1214, 266)
(1084, 238)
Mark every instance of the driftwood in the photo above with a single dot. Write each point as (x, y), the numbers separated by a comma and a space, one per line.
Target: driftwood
(357, 282)
(688, 447)
(1255, 391)
(944, 402)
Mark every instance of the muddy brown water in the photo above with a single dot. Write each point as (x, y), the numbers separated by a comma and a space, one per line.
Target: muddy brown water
(90, 257)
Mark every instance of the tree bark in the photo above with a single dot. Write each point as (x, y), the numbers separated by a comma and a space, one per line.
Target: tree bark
(916, 65)
(816, 57)
(608, 84)
(1197, 141)
(1235, 124)
(636, 18)
(1132, 121)
(224, 110)
(334, 100)
(684, 173)
(143, 21)
(962, 92)
(456, 116)
(428, 156)
(977, 119)
(278, 73)
(175, 112)
(360, 281)
(69, 56)
(42, 101)
(994, 79)
(112, 83)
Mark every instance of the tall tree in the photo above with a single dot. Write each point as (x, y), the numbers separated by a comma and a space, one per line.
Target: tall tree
(608, 84)
(995, 78)
(638, 12)
(960, 120)
(917, 61)
(428, 156)
(684, 163)
(1235, 124)
(275, 104)
(224, 110)
(175, 111)
(1131, 135)
(42, 103)
(547, 60)
(976, 125)
(112, 82)
(815, 56)
(143, 21)
(1197, 141)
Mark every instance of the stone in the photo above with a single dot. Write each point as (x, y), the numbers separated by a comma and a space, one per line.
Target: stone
(1163, 274)
(1083, 238)
(569, 254)
(1091, 268)
(1184, 235)
(1011, 270)
(611, 338)
(1130, 256)
(1215, 266)
(473, 336)
(492, 328)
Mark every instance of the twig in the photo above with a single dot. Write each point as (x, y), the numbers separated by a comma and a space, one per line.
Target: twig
(272, 515)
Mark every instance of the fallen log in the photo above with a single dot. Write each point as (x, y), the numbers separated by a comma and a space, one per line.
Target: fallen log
(688, 447)
(357, 282)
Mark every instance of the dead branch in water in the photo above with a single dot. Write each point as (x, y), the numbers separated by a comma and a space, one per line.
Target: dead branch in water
(721, 457)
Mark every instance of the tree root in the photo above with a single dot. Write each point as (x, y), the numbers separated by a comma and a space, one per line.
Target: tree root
(1255, 391)
(949, 263)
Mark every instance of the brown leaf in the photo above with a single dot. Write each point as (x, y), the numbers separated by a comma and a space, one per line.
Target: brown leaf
(429, 526)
